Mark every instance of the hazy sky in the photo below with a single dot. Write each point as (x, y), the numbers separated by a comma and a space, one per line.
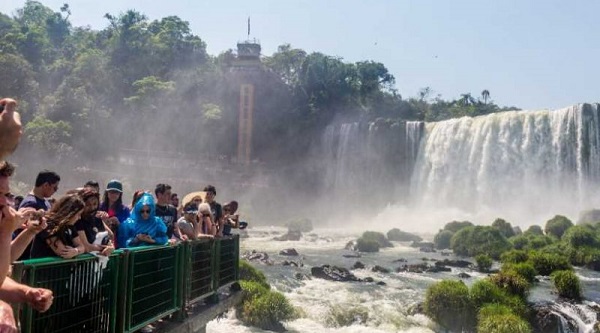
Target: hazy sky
(531, 54)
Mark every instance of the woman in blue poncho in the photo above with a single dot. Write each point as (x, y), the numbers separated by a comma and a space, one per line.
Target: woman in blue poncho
(143, 227)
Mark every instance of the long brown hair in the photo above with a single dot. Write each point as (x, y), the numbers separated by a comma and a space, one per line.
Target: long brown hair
(62, 212)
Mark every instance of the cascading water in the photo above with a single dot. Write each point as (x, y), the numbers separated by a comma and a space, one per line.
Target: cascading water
(370, 163)
(516, 164)
(576, 318)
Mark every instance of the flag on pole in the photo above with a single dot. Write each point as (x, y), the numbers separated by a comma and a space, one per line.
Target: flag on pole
(248, 26)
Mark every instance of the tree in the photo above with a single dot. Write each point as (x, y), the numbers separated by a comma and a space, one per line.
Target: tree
(485, 94)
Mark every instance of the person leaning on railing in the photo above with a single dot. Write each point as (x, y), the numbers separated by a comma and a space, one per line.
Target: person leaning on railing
(92, 229)
(143, 227)
(60, 237)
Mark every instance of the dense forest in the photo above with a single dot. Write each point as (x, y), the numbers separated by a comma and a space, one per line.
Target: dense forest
(142, 83)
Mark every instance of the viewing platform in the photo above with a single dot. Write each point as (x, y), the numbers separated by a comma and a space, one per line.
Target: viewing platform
(189, 284)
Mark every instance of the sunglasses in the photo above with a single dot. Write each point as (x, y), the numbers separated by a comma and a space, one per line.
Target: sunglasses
(145, 211)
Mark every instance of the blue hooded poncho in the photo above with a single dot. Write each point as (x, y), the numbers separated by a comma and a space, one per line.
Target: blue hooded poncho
(134, 225)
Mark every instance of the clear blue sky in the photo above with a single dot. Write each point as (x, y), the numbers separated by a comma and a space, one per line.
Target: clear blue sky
(532, 54)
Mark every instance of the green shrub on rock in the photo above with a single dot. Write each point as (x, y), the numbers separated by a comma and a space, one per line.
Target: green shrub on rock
(514, 256)
(557, 226)
(263, 308)
(496, 318)
(472, 241)
(484, 263)
(534, 230)
(484, 292)
(378, 237)
(546, 263)
(512, 282)
(367, 245)
(504, 227)
(249, 273)
(455, 226)
(402, 236)
(524, 269)
(442, 239)
(448, 304)
(579, 236)
(567, 284)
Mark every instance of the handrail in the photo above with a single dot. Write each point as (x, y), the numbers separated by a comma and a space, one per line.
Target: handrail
(137, 286)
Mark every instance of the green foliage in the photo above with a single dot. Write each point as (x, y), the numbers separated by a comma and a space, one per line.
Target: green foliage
(49, 135)
(546, 263)
(455, 226)
(567, 284)
(402, 236)
(514, 256)
(496, 318)
(346, 315)
(484, 262)
(442, 239)
(251, 274)
(557, 226)
(534, 230)
(448, 303)
(486, 292)
(475, 240)
(263, 308)
(504, 227)
(376, 236)
(580, 236)
(302, 225)
(529, 241)
(367, 245)
(512, 282)
(523, 269)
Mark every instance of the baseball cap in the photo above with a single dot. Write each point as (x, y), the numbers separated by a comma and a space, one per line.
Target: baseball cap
(114, 185)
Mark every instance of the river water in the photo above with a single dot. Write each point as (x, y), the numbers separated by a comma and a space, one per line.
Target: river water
(388, 306)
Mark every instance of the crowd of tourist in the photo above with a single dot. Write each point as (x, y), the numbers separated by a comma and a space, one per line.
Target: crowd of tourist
(85, 220)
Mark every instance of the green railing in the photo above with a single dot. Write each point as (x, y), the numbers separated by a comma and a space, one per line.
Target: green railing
(134, 288)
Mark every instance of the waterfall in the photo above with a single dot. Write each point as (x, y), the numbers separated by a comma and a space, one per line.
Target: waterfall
(370, 163)
(575, 318)
(519, 162)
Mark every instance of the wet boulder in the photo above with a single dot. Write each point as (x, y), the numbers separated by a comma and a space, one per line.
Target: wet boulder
(437, 269)
(545, 319)
(292, 263)
(358, 265)
(256, 256)
(379, 269)
(351, 255)
(289, 252)
(416, 268)
(333, 273)
(463, 275)
(454, 263)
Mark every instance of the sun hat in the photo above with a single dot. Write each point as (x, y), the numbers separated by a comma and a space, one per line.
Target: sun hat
(188, 197)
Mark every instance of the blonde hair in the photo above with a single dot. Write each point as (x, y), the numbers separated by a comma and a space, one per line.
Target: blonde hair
(204, 208)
